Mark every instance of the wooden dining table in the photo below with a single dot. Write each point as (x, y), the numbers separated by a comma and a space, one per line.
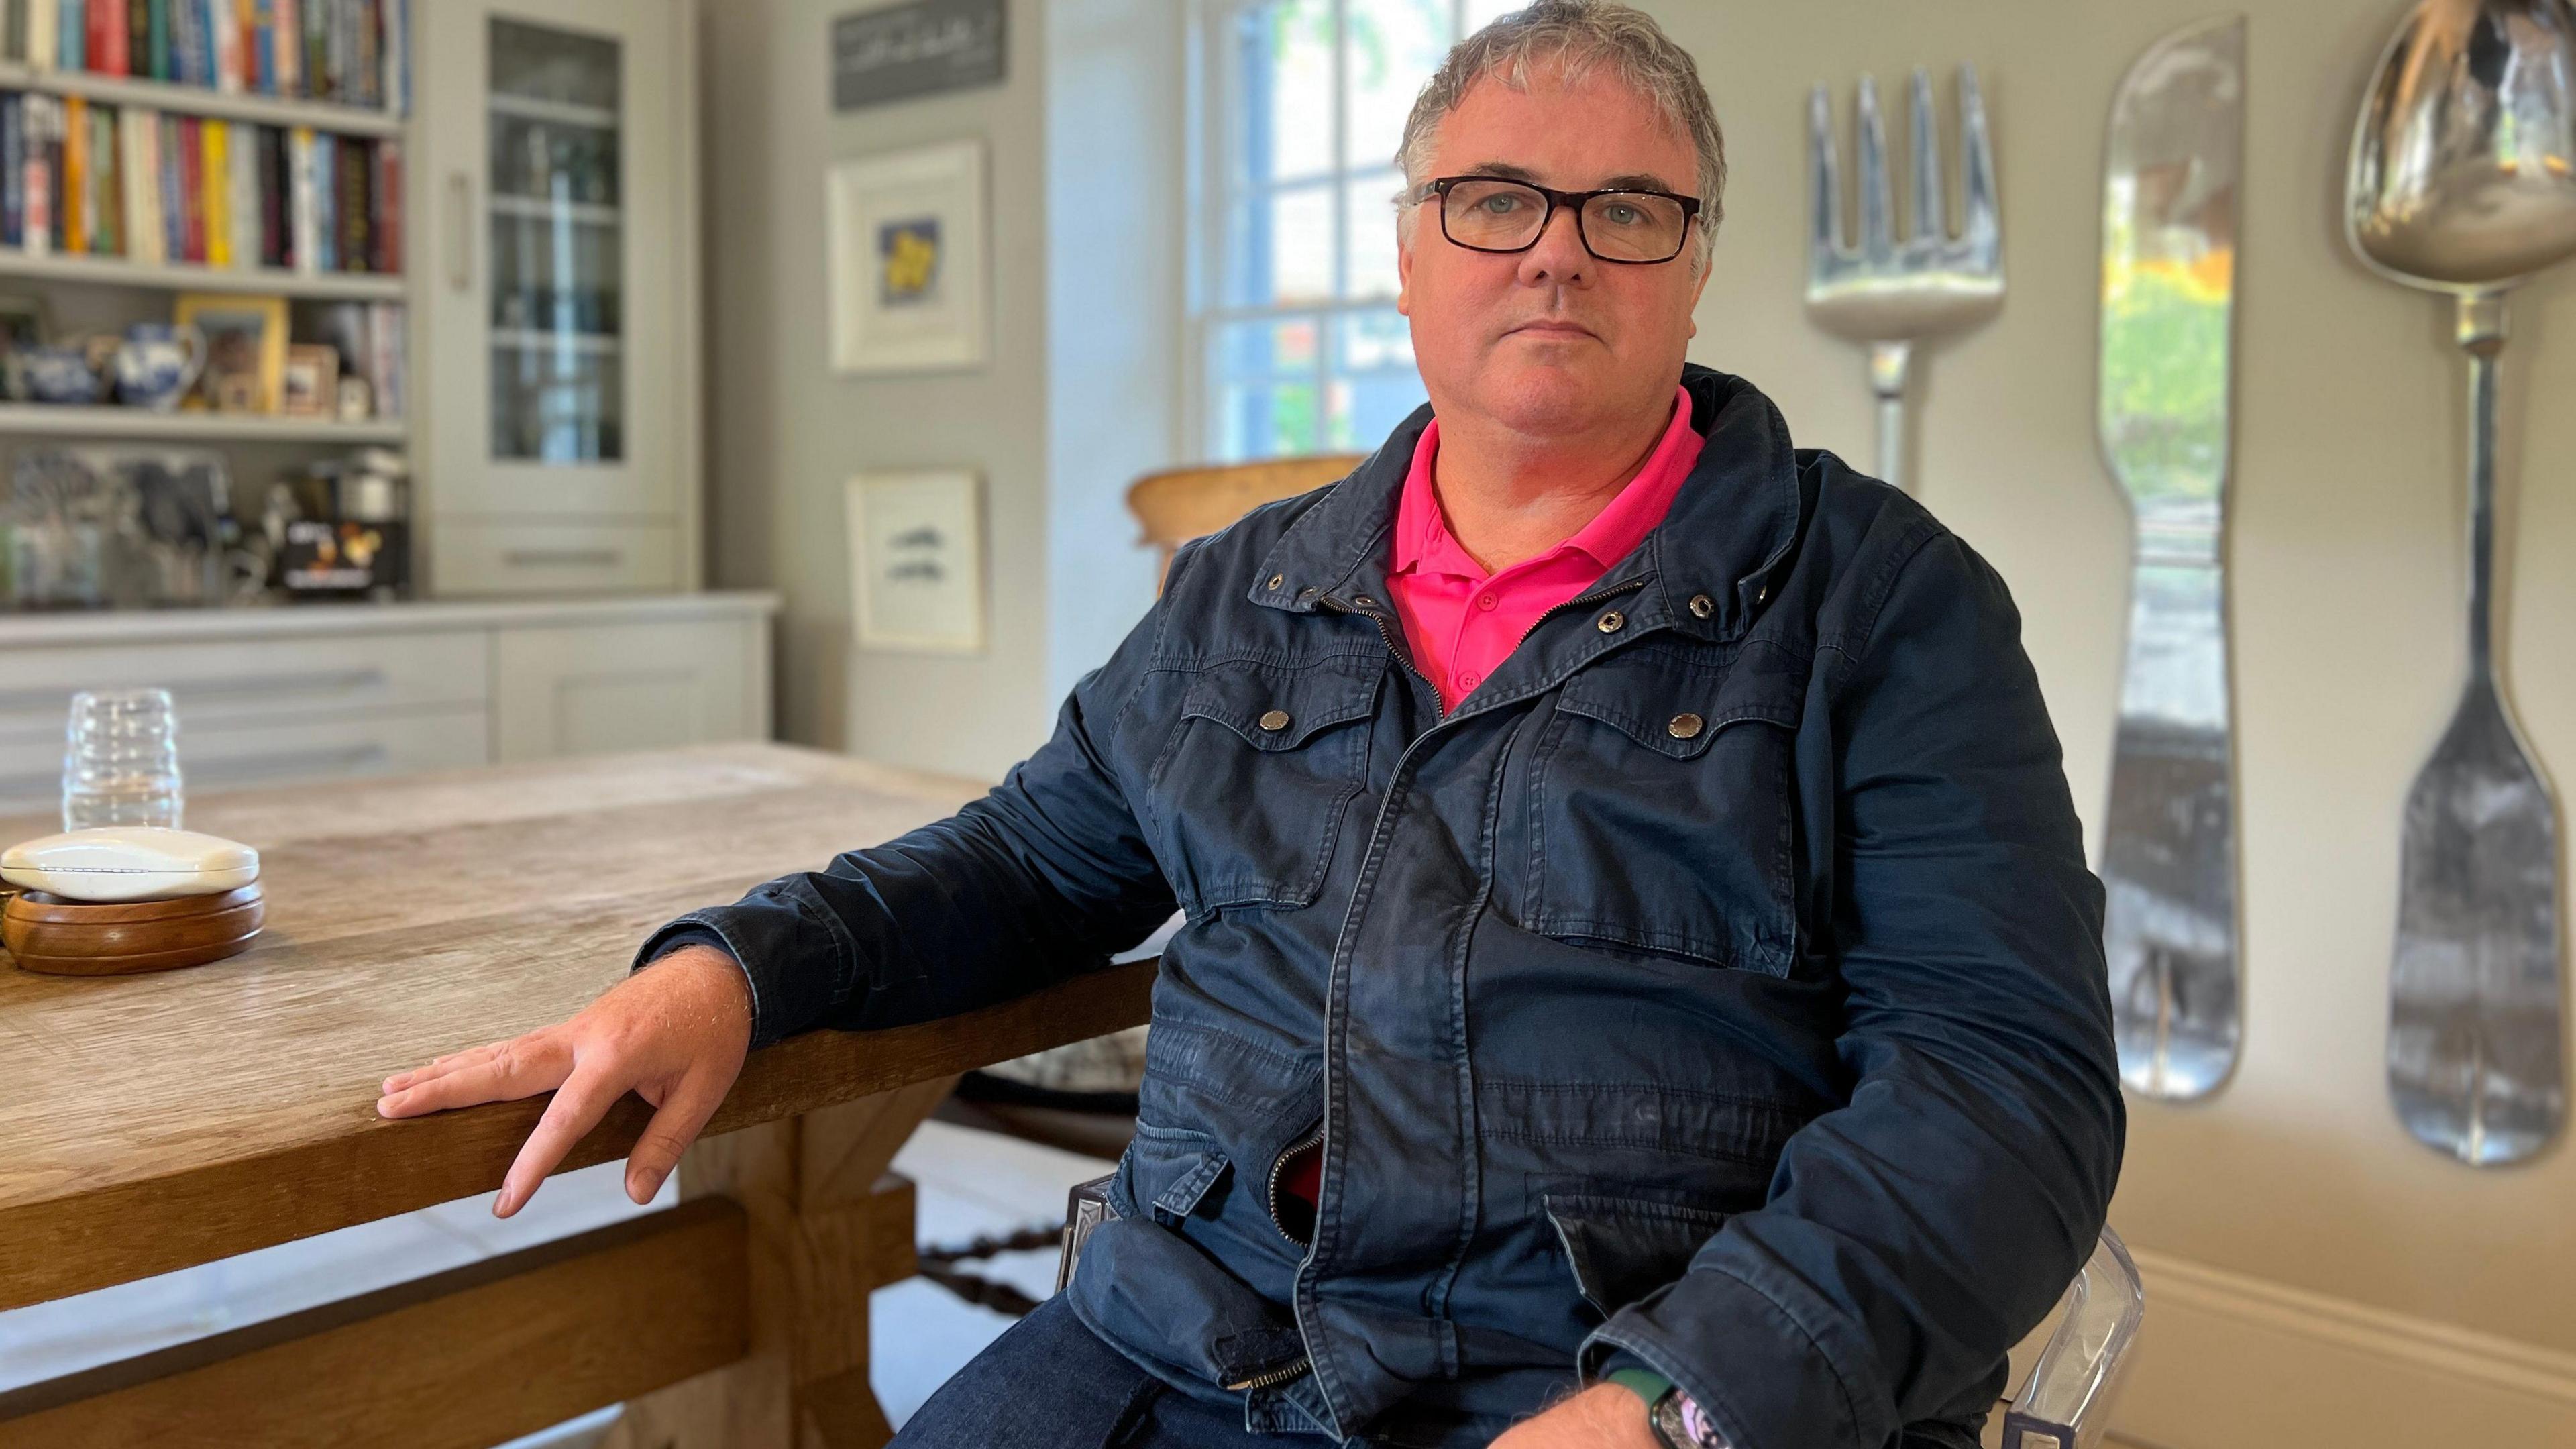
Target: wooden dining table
(150, 1123)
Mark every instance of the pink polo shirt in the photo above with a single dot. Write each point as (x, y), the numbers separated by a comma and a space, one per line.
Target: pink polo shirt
(1463, 621)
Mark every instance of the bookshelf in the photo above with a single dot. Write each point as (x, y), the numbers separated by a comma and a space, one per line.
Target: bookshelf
(197, 100)
(49, 420)
(193, 277)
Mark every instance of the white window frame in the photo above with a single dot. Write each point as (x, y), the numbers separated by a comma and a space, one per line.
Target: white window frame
(1215, 138)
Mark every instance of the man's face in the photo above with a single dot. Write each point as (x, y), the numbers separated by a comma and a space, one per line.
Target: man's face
(1551, 340)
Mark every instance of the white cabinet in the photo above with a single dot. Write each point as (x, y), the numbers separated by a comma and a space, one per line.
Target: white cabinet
(271, 696)
(590, 688)
(559, 174)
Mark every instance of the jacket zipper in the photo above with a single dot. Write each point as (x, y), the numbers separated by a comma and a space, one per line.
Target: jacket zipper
(1274, 1376)
(1278, 1170)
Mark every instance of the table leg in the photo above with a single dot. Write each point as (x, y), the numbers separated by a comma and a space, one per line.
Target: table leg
(828, 1225)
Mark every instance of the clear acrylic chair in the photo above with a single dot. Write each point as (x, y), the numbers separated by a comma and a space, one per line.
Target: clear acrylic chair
(2066, 1401)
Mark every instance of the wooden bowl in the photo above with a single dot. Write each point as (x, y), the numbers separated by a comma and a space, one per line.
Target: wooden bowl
(90, 938)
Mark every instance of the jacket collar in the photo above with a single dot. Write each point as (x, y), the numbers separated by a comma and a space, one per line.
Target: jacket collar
(1732, 525)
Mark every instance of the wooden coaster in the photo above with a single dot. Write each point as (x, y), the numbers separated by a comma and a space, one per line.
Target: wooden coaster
(88, 938)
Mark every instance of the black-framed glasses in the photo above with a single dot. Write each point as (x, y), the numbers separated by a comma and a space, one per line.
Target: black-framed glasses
(1616, 224)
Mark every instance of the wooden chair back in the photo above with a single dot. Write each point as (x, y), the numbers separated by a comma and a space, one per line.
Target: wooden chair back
(1180, 504)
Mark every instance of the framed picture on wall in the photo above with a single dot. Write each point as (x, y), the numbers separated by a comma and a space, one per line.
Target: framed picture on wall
(906, 250)
(245, 348)
(917, 559)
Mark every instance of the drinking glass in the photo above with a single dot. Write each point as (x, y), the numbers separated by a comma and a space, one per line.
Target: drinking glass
(121, 760)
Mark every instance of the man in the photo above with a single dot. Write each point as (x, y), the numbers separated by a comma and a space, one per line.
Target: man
(1640, 983)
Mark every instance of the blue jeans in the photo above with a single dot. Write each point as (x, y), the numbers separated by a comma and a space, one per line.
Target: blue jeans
(1050, 1383)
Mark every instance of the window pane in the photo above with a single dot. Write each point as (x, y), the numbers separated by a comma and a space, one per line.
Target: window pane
(1282, 249)
(1370, 215)
(1375, 386)
(1394, 45)
(1286, 68)
(1265, 387)
(1481, 11)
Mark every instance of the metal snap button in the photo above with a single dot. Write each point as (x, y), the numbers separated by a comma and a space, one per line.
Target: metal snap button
(1685, 726)
(1611, 622)
(1276, 720)
(1364, 601)
(1277, 579)
(1701, 606)
(1762, 593)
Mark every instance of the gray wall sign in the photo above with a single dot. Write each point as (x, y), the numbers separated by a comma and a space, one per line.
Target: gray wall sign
(918, 49)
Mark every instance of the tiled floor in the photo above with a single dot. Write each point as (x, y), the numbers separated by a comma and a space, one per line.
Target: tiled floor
(970, 1183)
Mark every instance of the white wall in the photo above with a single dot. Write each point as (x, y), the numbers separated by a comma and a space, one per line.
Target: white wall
(784, 431)
(2348, 576)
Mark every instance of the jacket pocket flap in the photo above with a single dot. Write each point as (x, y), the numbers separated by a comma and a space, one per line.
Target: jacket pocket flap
(1676, 707)
(1622, 1249)
(1178, 1165)
(1276, 708)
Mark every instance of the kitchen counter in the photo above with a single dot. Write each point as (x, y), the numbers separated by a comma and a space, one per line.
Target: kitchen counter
(154, 1122)
(131, 626)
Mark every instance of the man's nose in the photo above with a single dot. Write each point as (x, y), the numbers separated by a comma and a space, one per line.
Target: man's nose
(1558, 255)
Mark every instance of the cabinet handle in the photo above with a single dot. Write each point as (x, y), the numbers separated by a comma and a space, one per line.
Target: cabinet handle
(460, 231)
(532, 558)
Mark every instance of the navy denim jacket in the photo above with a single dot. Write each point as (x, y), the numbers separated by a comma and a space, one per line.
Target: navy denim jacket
(1721, 984)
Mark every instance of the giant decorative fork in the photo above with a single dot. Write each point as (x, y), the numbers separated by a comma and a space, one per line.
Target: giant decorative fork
(1892, 294)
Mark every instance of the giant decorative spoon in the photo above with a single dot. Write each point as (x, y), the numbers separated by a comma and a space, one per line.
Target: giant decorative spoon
(2460, 181)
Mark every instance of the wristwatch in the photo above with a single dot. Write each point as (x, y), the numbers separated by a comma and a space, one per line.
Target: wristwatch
(1674, 1416)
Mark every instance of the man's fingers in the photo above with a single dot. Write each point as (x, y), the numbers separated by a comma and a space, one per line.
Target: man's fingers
(578, 1105)
(440, 1066)
(674, 1126)
(512, 1069)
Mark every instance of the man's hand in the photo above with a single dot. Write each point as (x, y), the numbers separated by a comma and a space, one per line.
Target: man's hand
(674, 1033)
(1604, 1416)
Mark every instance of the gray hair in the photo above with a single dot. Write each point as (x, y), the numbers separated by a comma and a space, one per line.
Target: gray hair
(1577, 35)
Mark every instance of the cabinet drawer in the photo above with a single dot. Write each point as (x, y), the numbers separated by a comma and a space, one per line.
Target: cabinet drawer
(216, 683)
(238, 756)
(595, 688)
(488, 557)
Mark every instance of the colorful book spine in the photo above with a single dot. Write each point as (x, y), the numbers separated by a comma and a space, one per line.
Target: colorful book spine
(106, 41)
(387, 195)
(44, 21)
(13, 170)
(299, 172)
(356, 209)
(138, 37)
(74, 28)
(326, 216)
(226, 28)
(192, 186)
(216, 171)
(165, 179)
(290, 46)
(39, 186)
(75, 173)
(156, 22)
(246, 199)
(398, 56)
(263, 47)
(141, 128)
(107, 230)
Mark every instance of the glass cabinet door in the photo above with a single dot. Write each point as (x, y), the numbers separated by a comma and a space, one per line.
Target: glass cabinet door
(555, 314)
(553, 289)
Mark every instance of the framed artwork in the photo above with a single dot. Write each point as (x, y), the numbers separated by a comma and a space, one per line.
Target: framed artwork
(917, 559)
(906, 252)
(24, 322)
(312, 381)
(245, 340)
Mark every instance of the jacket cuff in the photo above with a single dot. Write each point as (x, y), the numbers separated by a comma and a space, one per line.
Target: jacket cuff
(697, 929)
(1759, 1373)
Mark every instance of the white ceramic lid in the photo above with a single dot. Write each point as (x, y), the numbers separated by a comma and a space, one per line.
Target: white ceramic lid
(124, 862)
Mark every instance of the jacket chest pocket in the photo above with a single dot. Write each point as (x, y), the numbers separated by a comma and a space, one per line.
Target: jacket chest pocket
(1249, 794)
(1661, 812)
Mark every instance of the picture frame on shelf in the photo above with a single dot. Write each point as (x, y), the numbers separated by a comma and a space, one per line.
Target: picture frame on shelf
(312, 381)
(25, 321)
(246, 338)
(907, 250)
(917, 559)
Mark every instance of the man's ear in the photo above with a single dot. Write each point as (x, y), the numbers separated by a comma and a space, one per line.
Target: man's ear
(1404, 265)
(1697, 288)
